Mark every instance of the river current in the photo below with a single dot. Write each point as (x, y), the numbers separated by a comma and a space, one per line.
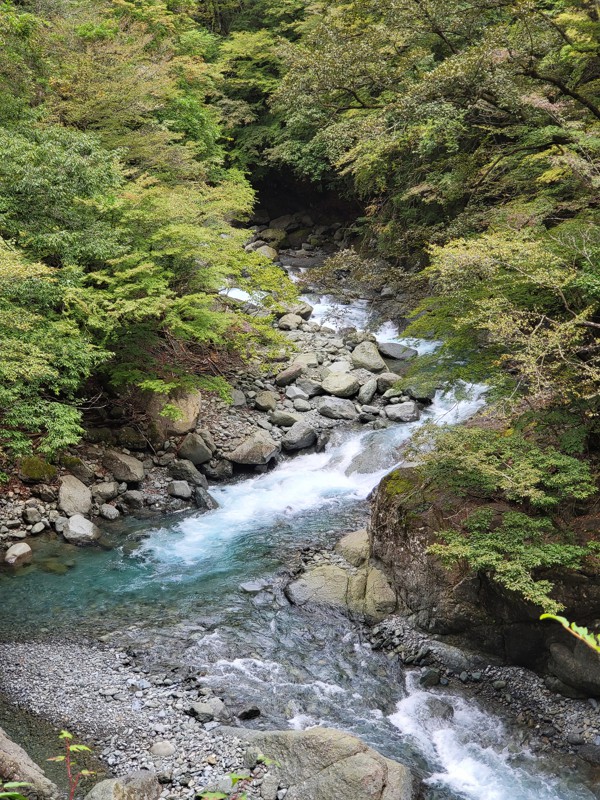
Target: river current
(174, 588)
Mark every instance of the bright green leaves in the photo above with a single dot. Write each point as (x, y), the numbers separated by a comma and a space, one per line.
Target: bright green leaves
(591, 639)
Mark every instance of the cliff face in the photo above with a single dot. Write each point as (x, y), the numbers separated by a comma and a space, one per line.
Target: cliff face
(405, 519)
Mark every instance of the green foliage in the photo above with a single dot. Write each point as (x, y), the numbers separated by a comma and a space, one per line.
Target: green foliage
(510, 547)
(591, 639)
(502, 465)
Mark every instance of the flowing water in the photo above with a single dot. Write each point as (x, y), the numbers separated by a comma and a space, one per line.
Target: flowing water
(173, 590)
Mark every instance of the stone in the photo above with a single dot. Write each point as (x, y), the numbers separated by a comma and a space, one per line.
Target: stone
(337, 367)
(180, 489)
(403, 412)
(259, 448)
(274, 236)
(238, 398)
(204, 499)
(284, 419)
(133, 498)
(397, 351)
(195, 449)
(337, 408)
(366, 356)
(290, 322)
(123, 467)
(163, 749)
(219, 470)
(367, 391)
(31, 515)
(188, 405)
(107, 490)
(18, 554)
(74, 497)
(380, 598)
(142, 785)
(302, 405)
(321, 764)
(327, 585)
(299, 436)
(79, 530)
(302, 309)
(33, 469)
(183, 470)
(354, 547)
(289, 375)
(16, 765)
(78, 468)
(307, 359)
(310, 387)
(206, 711)
(579, 668)
(37, 528)
(109, 512)
(267, 251)
(266, 401)
(421, 391)
(385, 381)
(429, 678)
(340, 385)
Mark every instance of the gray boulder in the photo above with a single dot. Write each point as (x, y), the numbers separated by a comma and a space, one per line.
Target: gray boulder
(397, 351)
(302, 309)
(284, 419)
(386, 381)
(109, 512)
(295, 393)
(204, 499)
(107, 490)
(299, 436)
(74, 497)
(123, 467)
(141, 785)
(183, 470)
(366, 356)
(340, 385)
(290, 322)
(259, 448)
(322, 764)
(310, 387)
(354, 547)
(180, 489)
(367, 391)
(337, 408)
(194, 449)
(268, 251)
(289, 375)
(18, 554)
(579, 668)
(16, 765)
(403, 412)
(266, 401)
(79, 530)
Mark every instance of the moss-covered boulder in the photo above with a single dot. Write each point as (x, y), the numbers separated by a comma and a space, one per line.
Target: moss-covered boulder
(34, 469)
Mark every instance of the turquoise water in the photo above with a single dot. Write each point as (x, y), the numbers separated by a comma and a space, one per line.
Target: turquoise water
(171, 591)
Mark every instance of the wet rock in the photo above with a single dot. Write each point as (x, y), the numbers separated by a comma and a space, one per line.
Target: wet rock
(180, 489)
(79, 530)
(219, 470)
(366, 356)
(429, 677)
(438, 708)
(299, 436)
(403, 412)
(289, 375)
(204, 499)
(259, 448)
(74, 497)
(194, 449)
(354, 547)
(266, 401)
(396, 351)
(302, 309)
(249, 712)
(337, 408)
(143, 785)
(421, 391)
(132, 498)
(327, 584)
(16, 555)
(340, 385)
(123, 467)
(183, 470)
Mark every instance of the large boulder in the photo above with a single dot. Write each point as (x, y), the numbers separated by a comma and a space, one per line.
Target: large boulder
(16, 765)
(187, 406)
(74, 497)
(354, 547)
(266, 401)
(142, 785)
(337, 408)
(367, 391)
(183, 470)
(385, 381)
(397, 351)
(322, 764)
(123, 467)
(267, 251)
(194, 449)
(340, 384)
(380, 598)
(290, 322)
(284, 419)
(403, 412)
(105, 491)
(579, 668)
(289, 375)
(79, 530)
(299, 436)
(326, 585)
(259, 448)
(366, 356)
(18, 554)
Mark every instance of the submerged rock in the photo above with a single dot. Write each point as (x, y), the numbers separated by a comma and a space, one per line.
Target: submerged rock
(18, 554)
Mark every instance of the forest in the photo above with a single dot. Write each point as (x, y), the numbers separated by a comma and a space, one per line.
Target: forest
(134, 135)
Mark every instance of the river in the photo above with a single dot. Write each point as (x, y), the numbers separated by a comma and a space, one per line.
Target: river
(174, 587)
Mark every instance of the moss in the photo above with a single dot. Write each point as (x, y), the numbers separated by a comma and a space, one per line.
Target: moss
(36, 470)
(397, 483)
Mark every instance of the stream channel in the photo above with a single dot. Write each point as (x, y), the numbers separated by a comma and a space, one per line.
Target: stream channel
(175, 583)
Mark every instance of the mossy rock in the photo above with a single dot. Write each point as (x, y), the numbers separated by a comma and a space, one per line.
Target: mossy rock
(33, 469)
(100, 436)
(77, 467)
(132, 439)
